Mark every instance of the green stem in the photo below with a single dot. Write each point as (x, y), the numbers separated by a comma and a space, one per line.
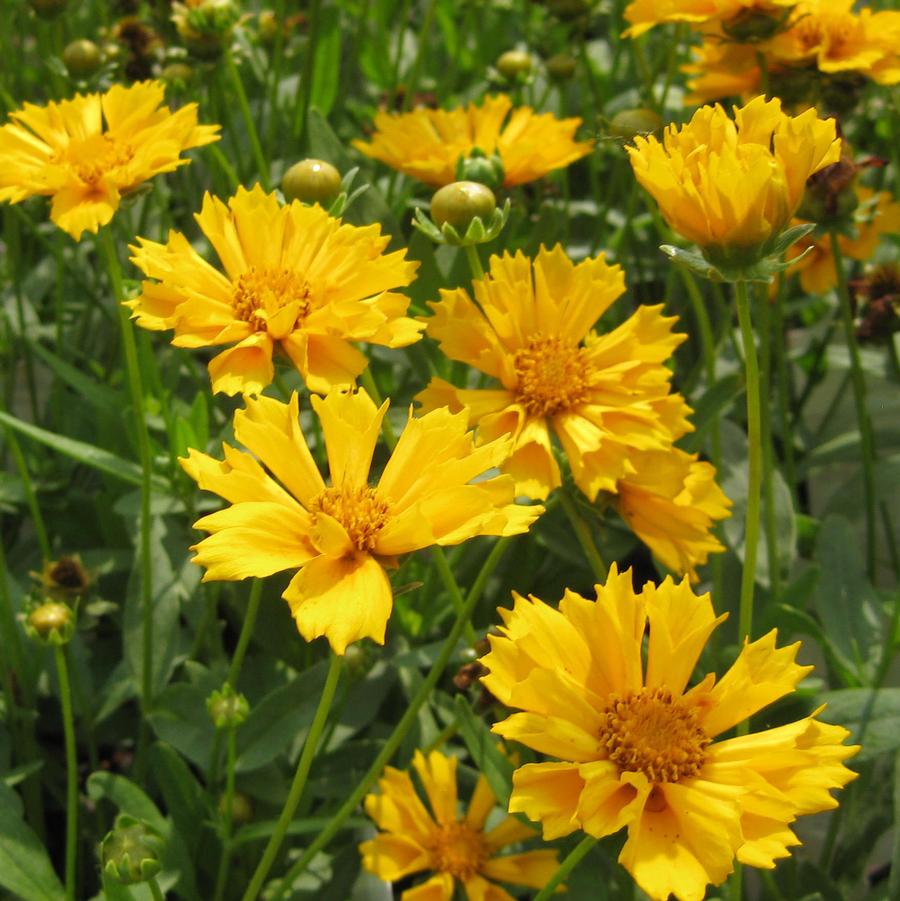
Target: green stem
(155, 890)
(65, 697)
(227, 817)
(864, 423)
(406, 721)
(583, 534)
(421, 45)
(754, 455)
(246, 632)
(255, 145)
(573, 858)
(784, 393)
(297, 786)
(474, 262)
(301, 113)
(135, 386)
(768, 483)
(30, 495)
(452, 586)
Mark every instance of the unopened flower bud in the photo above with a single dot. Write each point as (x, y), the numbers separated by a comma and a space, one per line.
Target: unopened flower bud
(628, 123)
(312, 181)
(49, 9)
(227, 708)
(177, 73)
(460, 202)
(50, 622)
(514, 64)
(130, 853)
(82, 58)
(560, 66)
(241, 808)
(478, 166)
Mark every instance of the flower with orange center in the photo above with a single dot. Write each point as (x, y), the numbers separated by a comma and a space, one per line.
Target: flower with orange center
(636, 749)
(458, 849)
(877, 214)
(88, 152)
(722, 69)
(530, 328)
(426, 144)
(339, 537)
(294, 279)
(645, 14)
(732, 187)
(671, 502)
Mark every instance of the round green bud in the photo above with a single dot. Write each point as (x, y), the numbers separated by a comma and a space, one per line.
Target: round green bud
(267, 25)
(180, 72)
(51, 621)
(48, 9)
(560, 66)
(312, 181)
(227, 708)
(630, 122)
(130, 853)
(478, 166)
(461, 202)
(514, 64)
(241, 808)
(82, 58)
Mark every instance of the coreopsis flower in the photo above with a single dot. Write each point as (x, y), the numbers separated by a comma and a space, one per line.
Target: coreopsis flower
(89, 152)
(671, 502)
(456, 848)
(645, 14)
(732, 186)
(722, 69)
(428, 144)
(602, 395)
(636, 749)
(295, 279)
(340, 535)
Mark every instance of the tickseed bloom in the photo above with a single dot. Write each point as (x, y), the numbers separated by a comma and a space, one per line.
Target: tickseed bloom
(877, 214)
(671, 502)
(732, 186)
(88, 152)
(458, 849)
(722, 69)
(636, 749)
(427, 144)
(294, 279)
(340, 535)
(644, 14)
(602, 395)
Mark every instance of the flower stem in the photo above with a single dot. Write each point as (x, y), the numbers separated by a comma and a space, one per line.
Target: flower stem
(452, 586)
(784, 391)
(409, 717)
(301, 111)
(227, 817)
(768, 483)
(864, 423)
(246, 632)
(155, 890)
(31, 500)
(474, 262)
(135, 386)
(368, 381)
(65, 697)
(754, 460)
(571, 861)
(583, 534)
(299, 783)
(237, 83)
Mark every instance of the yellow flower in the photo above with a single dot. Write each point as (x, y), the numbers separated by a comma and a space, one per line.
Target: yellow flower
(294, 279)
(86, 153)
(877, 214)
(644, 14)
(732, 186)
(671, 502)
(603, 396)
(722, 69)
(636, 750)
(426, 144)
(340, 536)
(456, 849)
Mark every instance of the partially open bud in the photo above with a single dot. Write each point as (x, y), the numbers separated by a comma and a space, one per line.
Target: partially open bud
(205, 26)
(227, 708)
(50, 622)
(48, 9)
(82, 58)
(628, 123)
(130, 853)
(478, 166)
(560, 66)
(241, 808)
(312, 181)
(514, 64)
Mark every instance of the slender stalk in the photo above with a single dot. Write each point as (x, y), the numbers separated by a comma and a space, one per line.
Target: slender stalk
(65, 697)
(406, 721)
(452, 586)
(421, 45)
(299, 783)
(30, 495)
(754, 477)
(784, 392)
(227, 817)
(246, 632)
(387, 430)
(768, 483)
(301, 113)
(237, 83)
(864, 423)
(572, 859)
(583, 534)
(474, 262)
(135, 386)
(155, 890)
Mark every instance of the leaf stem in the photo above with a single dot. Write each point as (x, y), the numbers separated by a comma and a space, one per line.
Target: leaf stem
(583, 534)
(252, 133)
(65, 697)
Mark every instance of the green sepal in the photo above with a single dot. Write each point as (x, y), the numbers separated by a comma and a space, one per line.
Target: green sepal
(478, 231)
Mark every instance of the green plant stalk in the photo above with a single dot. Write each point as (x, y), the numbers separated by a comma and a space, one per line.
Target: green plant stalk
(583, 534)
(452, 586)
(866, 436)
(255, 145)
(30, 494)
(768, 483)
(784, 393)
(400, 24)
(301, 112)
(299, 783)
(65, 697)
(413, 80)
(474, 262)
(227, 818)
(572, 859)
(396, 737)
(135, 387)
(155, 890)
(246, 632)
(754, 475)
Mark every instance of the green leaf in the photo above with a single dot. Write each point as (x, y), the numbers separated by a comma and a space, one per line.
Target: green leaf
(179, 717)
(101, 396)
(183, 794)
(327, 64)
(692, 261)
(878, 710)
(894, 881)
(25, 867)
(128, 797)
(496, 767)
(709, 408)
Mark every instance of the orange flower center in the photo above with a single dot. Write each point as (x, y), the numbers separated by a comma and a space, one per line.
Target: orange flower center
(459, 850)
(271, 300)
(651, 732)
(359, 510)
(834, 31)
(551, 375)
(94, 157)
